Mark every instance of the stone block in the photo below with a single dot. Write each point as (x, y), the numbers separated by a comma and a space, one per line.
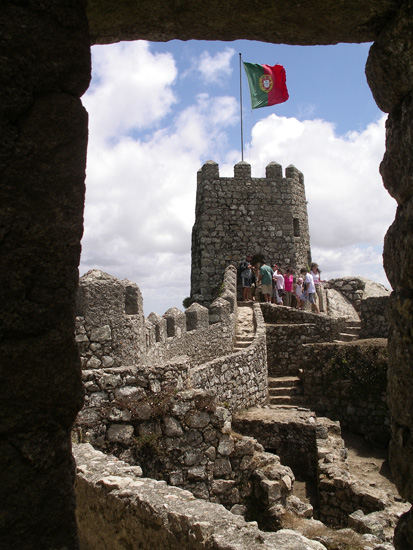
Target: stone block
(171, 427)
(222, 467)
(120, 433)
(101, 334)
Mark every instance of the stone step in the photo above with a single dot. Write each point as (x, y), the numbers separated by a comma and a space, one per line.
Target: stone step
(242, 345)
(287, 400)
(285, 390)
(352, 330)
(244, 338)
(353, 323)
(280, 381)
(345, 337)
(286, 406)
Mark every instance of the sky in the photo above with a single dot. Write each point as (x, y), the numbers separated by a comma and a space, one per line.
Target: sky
(159, 111)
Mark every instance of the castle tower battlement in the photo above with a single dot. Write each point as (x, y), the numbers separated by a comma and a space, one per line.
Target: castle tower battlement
(243, 214)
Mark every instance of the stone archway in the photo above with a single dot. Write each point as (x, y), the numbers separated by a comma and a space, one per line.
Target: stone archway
(45, 68)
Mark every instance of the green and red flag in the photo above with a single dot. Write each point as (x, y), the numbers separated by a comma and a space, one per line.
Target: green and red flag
(267, 84)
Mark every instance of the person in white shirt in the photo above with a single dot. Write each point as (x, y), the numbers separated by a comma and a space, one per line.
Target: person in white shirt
(309, 289)
(279, 287)
(299, 293)
(316, 273)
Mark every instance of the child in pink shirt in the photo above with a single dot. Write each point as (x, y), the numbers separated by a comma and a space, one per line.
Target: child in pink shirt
(288, 287)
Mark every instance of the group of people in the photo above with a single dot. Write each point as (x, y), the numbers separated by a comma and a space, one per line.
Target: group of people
(280, 287)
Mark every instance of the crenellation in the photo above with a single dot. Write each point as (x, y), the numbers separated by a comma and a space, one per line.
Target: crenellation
(219, 310)
(197, 317)
(175, 322)
(114, 337)
(160, 326)
(242, 170)
(273, 171)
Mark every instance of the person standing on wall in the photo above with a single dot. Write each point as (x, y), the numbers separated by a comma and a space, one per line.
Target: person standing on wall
(299, 297)
(309, 289)
(274, 284)
(266, 281)
(279, 287)
(316, 273)
(288, 286)
(245, 269)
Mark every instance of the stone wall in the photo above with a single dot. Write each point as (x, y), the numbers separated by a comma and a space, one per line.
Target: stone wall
(373, 315)
(348, 382)
(390, 77)
(111, 330)
(136, 412)
(357, 289)
(185, 439)
(117, 507)
(290, 434)
(338, 493)
(44, 70)
(312, 446)
(239, 379)
(238, 215)
(287, 330)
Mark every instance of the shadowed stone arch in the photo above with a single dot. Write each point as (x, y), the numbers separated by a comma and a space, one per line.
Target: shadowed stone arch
(44, 70)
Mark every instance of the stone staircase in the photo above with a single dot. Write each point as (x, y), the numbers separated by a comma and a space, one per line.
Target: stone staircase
(352, 331)
(285, 390)
(244, 335)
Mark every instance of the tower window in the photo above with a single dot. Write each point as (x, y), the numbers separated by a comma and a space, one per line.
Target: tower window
(296, 227)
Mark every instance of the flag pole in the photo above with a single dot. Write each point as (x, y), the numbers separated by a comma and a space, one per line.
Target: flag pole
(240, 96)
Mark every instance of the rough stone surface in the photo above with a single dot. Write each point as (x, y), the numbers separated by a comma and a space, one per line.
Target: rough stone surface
(44, 69)
(389, 69)
(115, 504)
(198, 454)
(348, 382)
(373, 314)
(290, 434)
(357, 289)
(317, 22)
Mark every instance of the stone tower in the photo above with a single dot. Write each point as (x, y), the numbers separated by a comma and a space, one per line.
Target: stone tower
(242, 214)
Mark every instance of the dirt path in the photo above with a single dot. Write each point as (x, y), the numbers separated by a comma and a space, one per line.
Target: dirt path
(368, 464)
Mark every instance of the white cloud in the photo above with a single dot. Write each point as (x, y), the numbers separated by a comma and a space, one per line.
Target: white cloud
(131, 88)
(213, 68)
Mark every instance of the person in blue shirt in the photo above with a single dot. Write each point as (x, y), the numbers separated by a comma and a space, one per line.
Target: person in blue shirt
(265, 277)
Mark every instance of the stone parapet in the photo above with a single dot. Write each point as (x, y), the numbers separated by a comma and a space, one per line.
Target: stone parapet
(339, 495)
(116, 506)
(287, 330)
(289, 433)
(373, 316)
(239, 379)
(186, 439)
(111, 330)
(348, 382)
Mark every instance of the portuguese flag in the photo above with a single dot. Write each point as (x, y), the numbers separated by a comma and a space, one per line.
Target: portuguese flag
(267, 84)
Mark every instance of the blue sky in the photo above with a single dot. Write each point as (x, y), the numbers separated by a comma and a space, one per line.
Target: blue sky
(158, 111)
